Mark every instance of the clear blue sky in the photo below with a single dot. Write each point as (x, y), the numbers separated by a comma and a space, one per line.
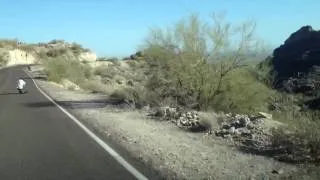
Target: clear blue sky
(116, 27)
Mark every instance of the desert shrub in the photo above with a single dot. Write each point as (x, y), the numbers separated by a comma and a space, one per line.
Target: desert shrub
(60, 68)
(105, 71)
(56, 52)
(190, 62)
(93, 86)
(242, 93)
(77, 48)
(299, 140)
(3, 59)
(9, 43)
(132, 64)
(134, 96)
(56, 41)
(296, 137)
(27, 47)
(105, 80)
(56, 69)
(102, 59)
(86, 50)
(139, 54)
(42, 54)
(113, 59)
(126, 59)
(263, 72)
(88, 71)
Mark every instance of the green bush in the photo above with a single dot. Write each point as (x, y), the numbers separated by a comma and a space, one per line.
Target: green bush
(139, 54)
(191, 61)
(134, 96)
(59, 68)
(263, 72)
(242, 93)
(56, 69)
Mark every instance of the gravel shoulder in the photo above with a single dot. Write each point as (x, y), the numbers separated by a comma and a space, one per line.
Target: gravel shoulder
(173, 152)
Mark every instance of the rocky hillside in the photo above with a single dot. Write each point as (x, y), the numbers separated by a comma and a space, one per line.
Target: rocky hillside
(13, 52)
(296, 62)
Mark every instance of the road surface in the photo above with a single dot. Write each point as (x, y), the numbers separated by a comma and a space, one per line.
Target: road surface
(42, 143)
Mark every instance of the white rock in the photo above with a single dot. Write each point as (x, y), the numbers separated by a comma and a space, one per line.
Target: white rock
(265, 115)
(232, 130)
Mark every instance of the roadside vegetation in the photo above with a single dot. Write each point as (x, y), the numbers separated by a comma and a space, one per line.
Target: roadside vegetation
(200, 66)
(3, 59)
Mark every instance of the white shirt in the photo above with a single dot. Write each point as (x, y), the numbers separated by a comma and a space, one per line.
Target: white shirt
(21, 84)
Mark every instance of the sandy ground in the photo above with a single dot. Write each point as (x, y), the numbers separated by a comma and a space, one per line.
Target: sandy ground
(170, 150)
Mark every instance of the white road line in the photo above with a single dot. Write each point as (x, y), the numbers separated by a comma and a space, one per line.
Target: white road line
(104, 145)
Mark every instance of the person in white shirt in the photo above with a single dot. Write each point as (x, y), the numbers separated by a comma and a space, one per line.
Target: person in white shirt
(21, 84)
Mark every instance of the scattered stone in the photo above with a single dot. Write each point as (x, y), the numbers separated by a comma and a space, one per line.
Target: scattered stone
(227, 136)
(226, 126)
(241, 126)
(232, 130)
(242, 131)
(188, 120)
(244, 121)
(277, 171)
(257, 121)
(265, 115)
(146, 108)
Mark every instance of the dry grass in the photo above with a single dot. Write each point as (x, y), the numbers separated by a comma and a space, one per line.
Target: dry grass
(298, 142)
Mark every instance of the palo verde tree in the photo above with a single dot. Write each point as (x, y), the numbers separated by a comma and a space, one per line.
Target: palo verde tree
(190, 60)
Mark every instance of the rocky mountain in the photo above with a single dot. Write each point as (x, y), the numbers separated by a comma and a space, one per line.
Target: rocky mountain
(296, 63)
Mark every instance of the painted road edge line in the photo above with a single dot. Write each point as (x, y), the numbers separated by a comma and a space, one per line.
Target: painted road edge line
(104, 145)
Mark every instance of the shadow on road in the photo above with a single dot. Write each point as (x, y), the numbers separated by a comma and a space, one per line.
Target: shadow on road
(88, 104)
(8, 93)
(37, 77)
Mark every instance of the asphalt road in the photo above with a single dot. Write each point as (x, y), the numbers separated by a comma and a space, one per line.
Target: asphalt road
(43, 143)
